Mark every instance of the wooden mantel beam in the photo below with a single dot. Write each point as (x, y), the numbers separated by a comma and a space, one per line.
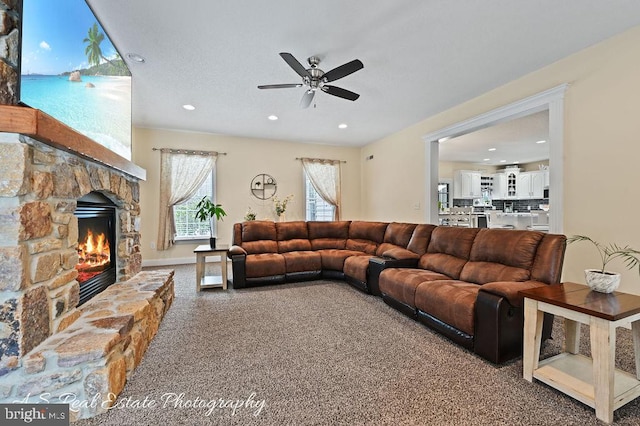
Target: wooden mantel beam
(46, 129)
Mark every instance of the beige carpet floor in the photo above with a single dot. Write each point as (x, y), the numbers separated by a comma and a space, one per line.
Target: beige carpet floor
(323, 353)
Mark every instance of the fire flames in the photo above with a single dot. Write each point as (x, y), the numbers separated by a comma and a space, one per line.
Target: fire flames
(94, 256)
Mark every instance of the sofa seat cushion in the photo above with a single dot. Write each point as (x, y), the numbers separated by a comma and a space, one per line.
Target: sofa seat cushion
(302, 261)
(357, 267)
(401, 283)
(452, 302)
(333, 260)
(265, 265)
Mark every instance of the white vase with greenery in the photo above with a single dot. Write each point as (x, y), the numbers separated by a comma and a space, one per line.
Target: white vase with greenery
(600, 279)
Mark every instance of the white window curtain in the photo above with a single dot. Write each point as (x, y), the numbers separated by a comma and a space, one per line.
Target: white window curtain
(181, 174)
(325, 178)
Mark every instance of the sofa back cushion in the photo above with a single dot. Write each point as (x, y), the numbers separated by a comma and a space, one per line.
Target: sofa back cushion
(397, 235)
(259, 236)
(547, 266)
(449, 250)
(501, 255)
(292, 236)
(328, 235)
(365, 236)
(420, 238)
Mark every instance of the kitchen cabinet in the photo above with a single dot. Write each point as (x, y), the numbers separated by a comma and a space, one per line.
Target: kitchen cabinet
(466, 184)
(499, 190)
(530, 185)
(512, 183)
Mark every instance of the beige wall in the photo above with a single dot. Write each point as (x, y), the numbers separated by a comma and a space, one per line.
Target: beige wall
(246, 158)
(601, 150)
(447, 169)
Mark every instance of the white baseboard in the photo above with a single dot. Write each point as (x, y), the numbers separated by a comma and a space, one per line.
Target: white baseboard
(176, 261)
(167, 262)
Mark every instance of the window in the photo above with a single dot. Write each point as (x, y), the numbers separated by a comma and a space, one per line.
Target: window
(187, 226)
(317, 208)
(443, 195)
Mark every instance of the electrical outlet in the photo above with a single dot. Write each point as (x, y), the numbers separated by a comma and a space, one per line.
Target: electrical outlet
(153, 246)
(416, 206)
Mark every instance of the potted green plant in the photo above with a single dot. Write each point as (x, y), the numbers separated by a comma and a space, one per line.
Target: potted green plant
(600, 279)
(250, 215)
(207, 210)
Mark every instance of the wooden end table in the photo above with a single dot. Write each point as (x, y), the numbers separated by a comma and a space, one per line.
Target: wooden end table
(593, 381)
(211, 281)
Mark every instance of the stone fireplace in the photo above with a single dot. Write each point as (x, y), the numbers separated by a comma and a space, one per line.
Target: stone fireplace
(49, 343)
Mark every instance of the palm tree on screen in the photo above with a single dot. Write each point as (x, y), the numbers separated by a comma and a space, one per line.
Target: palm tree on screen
(93, 50)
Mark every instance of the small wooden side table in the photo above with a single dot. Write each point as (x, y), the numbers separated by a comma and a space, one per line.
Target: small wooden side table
(593, 381)
(211, 281)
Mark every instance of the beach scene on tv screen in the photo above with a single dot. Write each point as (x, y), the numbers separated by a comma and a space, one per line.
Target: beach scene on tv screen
(72, 71)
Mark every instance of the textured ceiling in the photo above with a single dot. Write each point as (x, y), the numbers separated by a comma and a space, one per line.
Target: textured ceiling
(420, 57)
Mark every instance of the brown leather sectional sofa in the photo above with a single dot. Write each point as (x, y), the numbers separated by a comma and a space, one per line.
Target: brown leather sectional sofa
(461, 282)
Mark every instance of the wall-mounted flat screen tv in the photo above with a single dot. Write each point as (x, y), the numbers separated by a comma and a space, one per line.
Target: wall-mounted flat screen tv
(71, 71)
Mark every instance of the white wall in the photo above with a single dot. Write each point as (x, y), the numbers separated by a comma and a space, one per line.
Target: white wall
(245, 158)
(601, 150)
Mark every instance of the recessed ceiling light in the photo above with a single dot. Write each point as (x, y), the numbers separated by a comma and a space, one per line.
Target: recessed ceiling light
(516, 162)
(136, 58)
(272, 117)
(487, 159)
(491, 149)
(188, 107)
(541, 142)
(503, 161)
(342, 126)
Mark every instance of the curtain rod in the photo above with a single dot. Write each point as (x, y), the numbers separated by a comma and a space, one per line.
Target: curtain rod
(320, 159)
(188, 151)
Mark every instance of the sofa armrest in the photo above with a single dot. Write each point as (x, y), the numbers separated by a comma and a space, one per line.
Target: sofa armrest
(510, 290)
(379, 264)
(400, 254)
(236, 250)
(238, 257)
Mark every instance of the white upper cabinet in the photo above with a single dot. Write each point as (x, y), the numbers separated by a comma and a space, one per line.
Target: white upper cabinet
(530, 185)
(499, 190)
(466, 184)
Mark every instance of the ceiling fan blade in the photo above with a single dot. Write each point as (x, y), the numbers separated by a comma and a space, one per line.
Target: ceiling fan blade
(293, 63)
(307, 98)
(280, 86)
(343, 70)
(340, 92)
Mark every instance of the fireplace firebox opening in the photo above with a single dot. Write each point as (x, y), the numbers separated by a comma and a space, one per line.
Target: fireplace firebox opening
(96, 244)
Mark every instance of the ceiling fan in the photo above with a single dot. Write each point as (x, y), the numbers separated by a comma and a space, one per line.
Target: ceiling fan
(314, 78)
